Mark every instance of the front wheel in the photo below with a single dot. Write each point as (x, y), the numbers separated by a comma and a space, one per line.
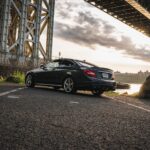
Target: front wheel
(69, 85)
(29, 81)
(97, 92)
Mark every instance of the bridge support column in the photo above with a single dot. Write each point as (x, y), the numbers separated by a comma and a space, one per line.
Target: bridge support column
(50, 32)
(22, 24)
(22, 33)
(37, 32)
(5, 16)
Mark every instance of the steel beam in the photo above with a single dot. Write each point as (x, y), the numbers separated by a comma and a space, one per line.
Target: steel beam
(127, 11)
(22, 22)
(5, 24)
(35, 54)
(22, 31)
(50, 20)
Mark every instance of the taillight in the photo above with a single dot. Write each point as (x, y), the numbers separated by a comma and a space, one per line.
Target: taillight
(90, 73)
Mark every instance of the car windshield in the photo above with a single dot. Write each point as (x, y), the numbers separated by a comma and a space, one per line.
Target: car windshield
(85, 64)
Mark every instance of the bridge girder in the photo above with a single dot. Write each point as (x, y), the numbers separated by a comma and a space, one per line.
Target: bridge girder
(22, 24)
(135, 13)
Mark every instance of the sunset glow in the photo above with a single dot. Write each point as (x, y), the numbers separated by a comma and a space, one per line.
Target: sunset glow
(86, 33)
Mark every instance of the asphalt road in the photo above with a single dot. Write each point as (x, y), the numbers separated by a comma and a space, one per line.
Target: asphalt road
(45, 119)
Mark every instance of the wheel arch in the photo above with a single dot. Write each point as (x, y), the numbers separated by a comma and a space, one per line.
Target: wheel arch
(29, 73)
(33, 79)
(68, 76)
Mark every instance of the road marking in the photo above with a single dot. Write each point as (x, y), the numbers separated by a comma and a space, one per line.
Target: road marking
(11, 91)
(135, 106)
(72, 102)
(13, 97)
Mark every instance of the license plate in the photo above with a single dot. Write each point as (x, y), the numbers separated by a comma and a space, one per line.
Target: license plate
(105, 75)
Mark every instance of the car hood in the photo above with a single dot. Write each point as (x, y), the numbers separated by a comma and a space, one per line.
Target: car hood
(35, 70)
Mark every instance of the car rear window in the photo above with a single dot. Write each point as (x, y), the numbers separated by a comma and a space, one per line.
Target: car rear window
(85, 64)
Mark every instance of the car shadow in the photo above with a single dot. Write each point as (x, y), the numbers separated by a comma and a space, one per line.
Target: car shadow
(80, 93)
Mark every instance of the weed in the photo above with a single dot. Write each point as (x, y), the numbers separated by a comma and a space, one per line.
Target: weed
(16, 77)
(2, 79)
(111, 93)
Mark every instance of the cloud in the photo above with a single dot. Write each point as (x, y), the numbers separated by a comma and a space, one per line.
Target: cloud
(89, 30)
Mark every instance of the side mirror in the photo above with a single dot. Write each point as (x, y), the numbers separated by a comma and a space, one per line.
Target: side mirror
(42, 66)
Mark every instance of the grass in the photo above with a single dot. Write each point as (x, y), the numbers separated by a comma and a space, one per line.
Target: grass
(16, 77)
(2, 79)
(111, 93)
(135, 95)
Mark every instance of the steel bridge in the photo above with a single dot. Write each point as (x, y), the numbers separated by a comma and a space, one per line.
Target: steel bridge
(23, 22)
(135, 13)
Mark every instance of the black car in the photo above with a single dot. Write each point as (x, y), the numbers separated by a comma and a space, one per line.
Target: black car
(72, 75)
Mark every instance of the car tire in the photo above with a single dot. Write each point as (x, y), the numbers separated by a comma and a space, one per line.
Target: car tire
(97, 92)
(29, 81)
(69, 85)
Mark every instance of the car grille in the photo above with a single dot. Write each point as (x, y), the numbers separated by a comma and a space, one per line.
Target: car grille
(104, 75)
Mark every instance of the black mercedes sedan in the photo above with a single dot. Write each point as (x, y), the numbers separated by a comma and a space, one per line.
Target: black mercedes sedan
(72, 75)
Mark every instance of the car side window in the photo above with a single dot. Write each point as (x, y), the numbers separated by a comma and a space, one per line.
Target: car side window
(52, 65)
(66, 63)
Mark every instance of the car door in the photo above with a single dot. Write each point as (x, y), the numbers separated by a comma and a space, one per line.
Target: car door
(50, 74)
(64, 69)
(54, 72)
(46, 75)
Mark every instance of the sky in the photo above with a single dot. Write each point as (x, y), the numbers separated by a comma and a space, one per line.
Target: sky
(84, 32)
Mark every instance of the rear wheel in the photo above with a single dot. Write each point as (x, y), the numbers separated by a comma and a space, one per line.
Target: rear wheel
(69, 85)
(97, 92)
(29, 81)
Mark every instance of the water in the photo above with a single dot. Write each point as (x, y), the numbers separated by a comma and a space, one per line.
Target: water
(134, 88)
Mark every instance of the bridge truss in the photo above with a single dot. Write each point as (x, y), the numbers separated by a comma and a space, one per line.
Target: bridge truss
(135, 13)
(22, 24)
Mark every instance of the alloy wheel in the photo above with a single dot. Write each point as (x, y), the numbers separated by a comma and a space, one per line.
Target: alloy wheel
(29, 81)
(68, 85)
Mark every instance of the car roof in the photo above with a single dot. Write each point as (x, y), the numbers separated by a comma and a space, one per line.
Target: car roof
(70, 59)
(63, 59)
(75, 60)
